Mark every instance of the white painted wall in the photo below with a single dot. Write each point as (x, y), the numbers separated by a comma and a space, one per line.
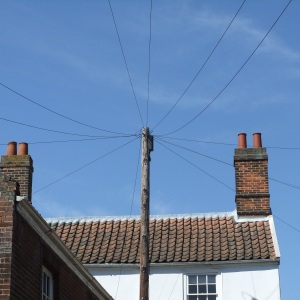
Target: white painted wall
(234, 281)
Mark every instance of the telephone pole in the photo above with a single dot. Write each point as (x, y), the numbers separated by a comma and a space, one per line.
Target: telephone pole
(147, 147)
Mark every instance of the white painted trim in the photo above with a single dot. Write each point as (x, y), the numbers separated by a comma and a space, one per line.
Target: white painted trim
(250, 218)
(216, 272)
(274, 236)
(49, 274)
(34, 219)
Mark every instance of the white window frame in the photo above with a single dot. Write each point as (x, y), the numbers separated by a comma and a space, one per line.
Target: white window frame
(214, 273)
(47, 284)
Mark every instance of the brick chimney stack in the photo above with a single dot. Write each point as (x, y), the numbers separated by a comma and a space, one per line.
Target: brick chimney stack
(251, 176)
(19, 167)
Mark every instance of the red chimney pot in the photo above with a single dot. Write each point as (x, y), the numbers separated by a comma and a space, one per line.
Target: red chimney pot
(23, 149)
(257, 140)
(242, 140)
(11, 148)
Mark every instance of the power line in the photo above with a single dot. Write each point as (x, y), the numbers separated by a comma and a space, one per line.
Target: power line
(81, 140)
(198, 153)
(52, 130)
(125, 61)
(284, 148)
(286, 183)
(55, 112)
(297, 187)
(193, 151)
(220, 143)
(203, 65)
(234, 76)
(84, 166)
(196, 141)
(149, 60)
(286, 223)
(135, 181)
(132, 199)
(213, 177)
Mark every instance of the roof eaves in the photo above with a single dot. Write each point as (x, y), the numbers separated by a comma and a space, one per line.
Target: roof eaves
(271, 261)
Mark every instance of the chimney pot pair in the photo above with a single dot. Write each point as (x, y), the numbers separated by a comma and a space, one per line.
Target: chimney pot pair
(242, 140)
(12, 148)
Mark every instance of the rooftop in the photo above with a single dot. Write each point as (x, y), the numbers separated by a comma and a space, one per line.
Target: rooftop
(173, 238)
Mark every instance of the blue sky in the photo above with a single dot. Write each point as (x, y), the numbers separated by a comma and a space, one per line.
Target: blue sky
(65, 55)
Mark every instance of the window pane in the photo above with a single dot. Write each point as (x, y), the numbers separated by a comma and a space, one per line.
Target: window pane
(192, 297)
(212, 288)
(48, 286)
(192, 289)
(192, 279)
(44, 281)
(212, 297)
(202, 279)
(202, 298)
(202, 289)
(211, 279)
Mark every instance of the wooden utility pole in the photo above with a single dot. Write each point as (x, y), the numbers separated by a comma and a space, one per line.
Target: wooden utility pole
(147, 147)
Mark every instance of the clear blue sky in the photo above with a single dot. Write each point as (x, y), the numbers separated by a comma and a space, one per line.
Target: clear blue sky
(65, 55)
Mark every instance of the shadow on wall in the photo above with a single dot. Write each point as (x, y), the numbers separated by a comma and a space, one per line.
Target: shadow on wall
(247, 296)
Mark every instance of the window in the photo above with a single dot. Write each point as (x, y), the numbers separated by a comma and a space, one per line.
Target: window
(47, 285)
(201, 287)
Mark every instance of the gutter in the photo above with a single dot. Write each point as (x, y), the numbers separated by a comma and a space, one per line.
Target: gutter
(274, 261)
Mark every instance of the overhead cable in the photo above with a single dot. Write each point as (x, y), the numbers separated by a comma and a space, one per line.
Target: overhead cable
(125, 61)
(193, 151)
(84, 166)
(201, 68)
(213, 177)
(286, 183)
(198, 153)
(57, 113)
(149, 61)
(233, 77)
(79, 140)
(132, 199)
(52, 130)
(196, 141)
(286, 223)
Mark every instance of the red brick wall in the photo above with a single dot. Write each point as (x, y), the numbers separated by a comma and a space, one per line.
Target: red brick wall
(23, 253)
(252, 184)
(29, 255)
(20, 169)
(7, 195)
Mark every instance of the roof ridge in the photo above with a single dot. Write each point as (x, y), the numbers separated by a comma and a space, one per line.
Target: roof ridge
(137, 217)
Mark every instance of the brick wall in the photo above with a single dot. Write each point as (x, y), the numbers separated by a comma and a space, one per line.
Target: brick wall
(25, 247)
(8, 190)
(19, 168)
(252, 186)
(30, 253)
(23, 253)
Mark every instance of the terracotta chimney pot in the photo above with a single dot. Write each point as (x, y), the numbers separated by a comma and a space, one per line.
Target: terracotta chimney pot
(242, 140)
(257, 140)
(11, 148)
(23, 149)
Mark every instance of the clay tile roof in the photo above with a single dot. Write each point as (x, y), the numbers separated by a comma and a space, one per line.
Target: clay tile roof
(179, 238)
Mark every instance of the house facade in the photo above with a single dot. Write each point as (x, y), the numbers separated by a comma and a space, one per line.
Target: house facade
(34, 262)
(218, 256)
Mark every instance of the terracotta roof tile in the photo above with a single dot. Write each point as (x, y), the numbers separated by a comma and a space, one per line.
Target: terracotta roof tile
(174, 239)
